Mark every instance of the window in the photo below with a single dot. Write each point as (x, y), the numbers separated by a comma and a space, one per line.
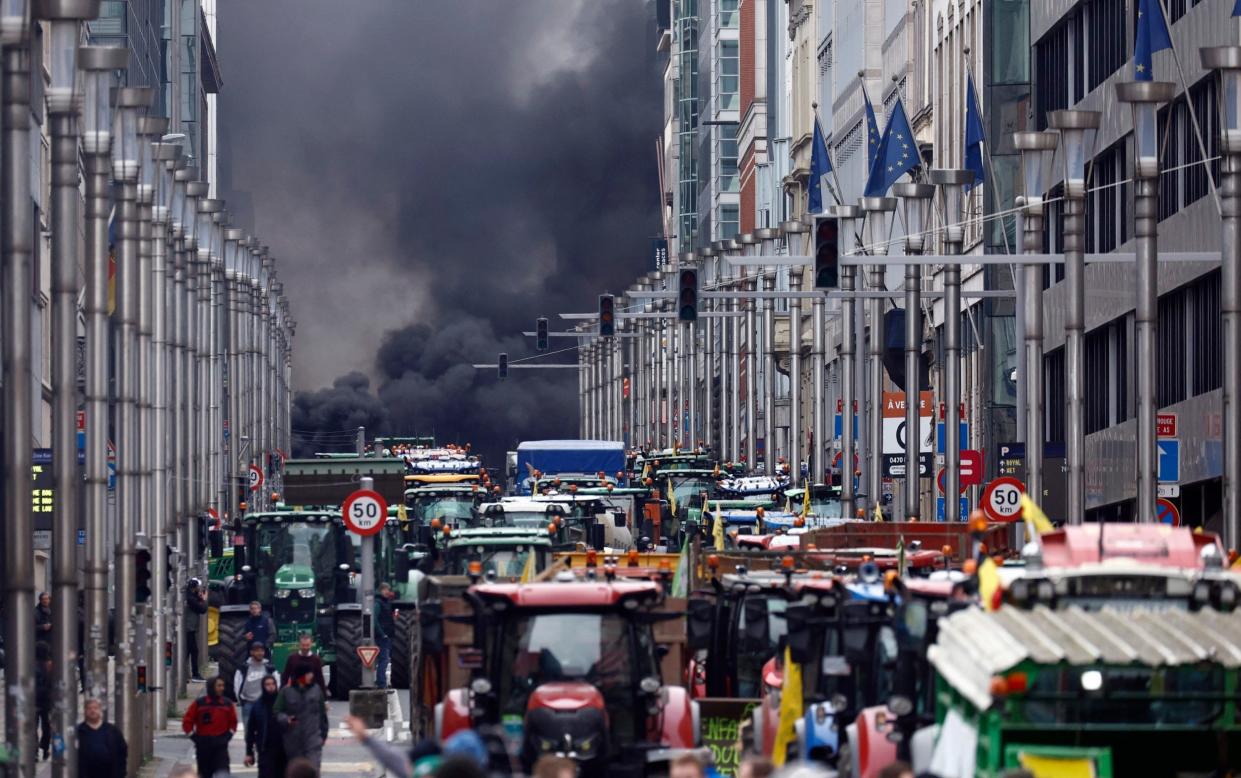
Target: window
(1170, 349)
(1053, 378)
(1171, 121)
(728, 12)
(1051, 65)
(729, 84)
(726, 156)
(1053, 230)
(1096, 380)
(1106, 225)
(1010, 28)
(729, 220)
(1183, 179)
(1078, 54)
(1206, 344)
(1109, 48)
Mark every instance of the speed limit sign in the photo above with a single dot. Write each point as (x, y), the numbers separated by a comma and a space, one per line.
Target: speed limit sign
(1001, 500)
(256, 477)
(365, 512)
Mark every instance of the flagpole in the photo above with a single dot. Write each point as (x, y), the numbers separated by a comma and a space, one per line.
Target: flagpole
(830, 162)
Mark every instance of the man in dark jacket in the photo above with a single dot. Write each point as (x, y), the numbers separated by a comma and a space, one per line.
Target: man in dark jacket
(102, 751)
(195, 608)
(263, 736)
(301, 710)
(385, 630)
(259, 627)
(304, 660)
(43, 619)
(43, 695)
(210, 722)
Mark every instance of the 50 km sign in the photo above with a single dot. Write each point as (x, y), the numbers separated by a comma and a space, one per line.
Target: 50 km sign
(1001, 500)
(365, 512)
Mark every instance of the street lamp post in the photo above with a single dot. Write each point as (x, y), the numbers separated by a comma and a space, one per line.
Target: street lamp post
(767, 237)
(99, 64)
(179, 331)
(750, 284)
(1145, 97)
(916, 202)
(848, 216)
(1037, 149)
(1227, 60)
(793, 231)
(879, 211)
(735, 330)
(951, 185)
(1073, 126)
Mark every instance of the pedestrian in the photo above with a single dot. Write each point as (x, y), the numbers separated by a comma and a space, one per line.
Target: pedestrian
(210, 722)
(43, 619)
(687, 766)
(43, 695)
(301, 768)
(263, 732)
(897, 770)
(554, 767)
(259, 627)
(248, 680)
(755, 767)
(195, 607)
(385, 628)
(303, 660)
(102, 752)
(459, 766)
(301, 709)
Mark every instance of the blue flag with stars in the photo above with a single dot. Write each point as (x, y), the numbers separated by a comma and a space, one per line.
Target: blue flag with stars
(974, 137)
(872, 130)
(820, 167)
(1236, 9)
(898, 154)
(1152, 35)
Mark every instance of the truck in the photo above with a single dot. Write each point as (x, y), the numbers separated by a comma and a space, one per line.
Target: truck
(549, 457)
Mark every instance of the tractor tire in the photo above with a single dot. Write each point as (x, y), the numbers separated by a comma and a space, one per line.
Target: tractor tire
(347, 670)
(422, 712)
(230, 647)
(398, 672)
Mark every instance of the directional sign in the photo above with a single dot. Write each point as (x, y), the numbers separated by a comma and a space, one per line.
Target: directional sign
(1001, 500)
(368, 655)
(940, 508)
(971, 468)
(256, 478)
(1165, 425)
(365, 512)
(1169, 460)
(1167, 513)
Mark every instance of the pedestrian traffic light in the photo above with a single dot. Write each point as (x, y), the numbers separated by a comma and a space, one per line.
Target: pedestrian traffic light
(502, 367)
(688, 310)
(540, 334)
(607, 315)
(826, 254)
(142, 575)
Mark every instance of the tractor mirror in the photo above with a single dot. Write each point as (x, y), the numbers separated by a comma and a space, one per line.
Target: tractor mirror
(699, 620)
(757, 631)
(618, 520)
(798, 618)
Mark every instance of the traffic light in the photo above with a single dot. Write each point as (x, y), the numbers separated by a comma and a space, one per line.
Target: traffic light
(142, 575)
(607, 315)
(169, 583)
(540, 334)
(688, 310)
(502, 367)
(826, 254)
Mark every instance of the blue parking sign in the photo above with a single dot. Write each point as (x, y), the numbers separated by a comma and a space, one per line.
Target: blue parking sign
(1169, 460)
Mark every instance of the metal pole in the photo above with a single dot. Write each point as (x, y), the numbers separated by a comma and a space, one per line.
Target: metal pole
(916, 199)
(751, 376)
(795, 377)
(818, 368)
(847, 214)
(878, 212)
(766, 345)
(734, 379)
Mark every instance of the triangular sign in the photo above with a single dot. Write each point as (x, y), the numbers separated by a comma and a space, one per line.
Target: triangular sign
(368, 655)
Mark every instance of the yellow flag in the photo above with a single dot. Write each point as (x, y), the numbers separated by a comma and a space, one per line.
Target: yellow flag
(718, 532)
(401, 514)
(790, 710)
(1036, 521)
(672, 500)
(878, 513)
(805, 503)
(989, 584)
(528, 571)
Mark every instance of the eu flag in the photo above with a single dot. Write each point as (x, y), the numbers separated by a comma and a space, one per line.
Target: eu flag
(1236, 9)
(1152, 35)
(872, 130)
(898, 154)
(974, 137)
(820, 167)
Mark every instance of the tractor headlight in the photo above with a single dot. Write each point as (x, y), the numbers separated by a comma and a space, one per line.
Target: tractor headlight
(283, 594)
(650, 685)
(307, 593)
(480, 686)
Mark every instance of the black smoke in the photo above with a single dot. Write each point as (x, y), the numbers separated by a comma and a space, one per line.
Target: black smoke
(433, 176)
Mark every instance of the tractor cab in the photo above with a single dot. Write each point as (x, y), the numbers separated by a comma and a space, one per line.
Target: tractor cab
(526, 514)
(454, 505)
(502, 554)
(566, 482)
(824, 502)
(572, 668)
(601, 521)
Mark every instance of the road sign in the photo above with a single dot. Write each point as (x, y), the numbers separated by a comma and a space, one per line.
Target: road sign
(1001, 500)
(1168, 490)
(841, 455)
(894, 465)
(971, 468)
(1166, 512)
(941, 436)
(839, 427)
(942, 479)
(365, 512)
(256, 478)
(941, 508)
(368, 655)
(81, 537)
(1169, 460)
(1165, 425)
(894, 423)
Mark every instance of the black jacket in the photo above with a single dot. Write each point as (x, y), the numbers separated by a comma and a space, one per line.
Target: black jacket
(102, 752)
(43, 625)
(263, 731)
(195, 607)
(385, 618)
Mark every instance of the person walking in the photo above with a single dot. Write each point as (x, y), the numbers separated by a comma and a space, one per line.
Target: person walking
(301, 709)
(259, 627)
(304, 660)
(263, 735)
(43, 619)
(102, 751)
(43, 696)
(195, 608)
(248, 680)
(385, 628)
(210, 722)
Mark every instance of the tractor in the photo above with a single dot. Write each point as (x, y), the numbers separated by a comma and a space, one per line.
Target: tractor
(569, 668)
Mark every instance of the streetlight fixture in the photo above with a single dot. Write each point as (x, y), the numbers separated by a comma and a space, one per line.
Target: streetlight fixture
(767, 237)
(793, 231)
(847, 215)
(916, 207)
(1074, 126)
(1227, 60)
(1037, 153)
(879, 212)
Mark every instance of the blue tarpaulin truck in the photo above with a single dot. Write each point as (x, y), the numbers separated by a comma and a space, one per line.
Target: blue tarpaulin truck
(554, 457)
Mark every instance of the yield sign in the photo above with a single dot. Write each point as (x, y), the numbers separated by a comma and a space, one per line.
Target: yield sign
(368, 655)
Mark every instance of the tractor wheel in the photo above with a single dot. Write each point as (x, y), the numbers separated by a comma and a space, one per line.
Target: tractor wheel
(398, 672)
(347, 670)
(231, 647)
(422, 711)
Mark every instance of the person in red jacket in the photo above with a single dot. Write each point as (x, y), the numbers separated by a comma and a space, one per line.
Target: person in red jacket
(210, 722)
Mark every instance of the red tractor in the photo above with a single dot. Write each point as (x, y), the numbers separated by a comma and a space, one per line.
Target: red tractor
(572, 668)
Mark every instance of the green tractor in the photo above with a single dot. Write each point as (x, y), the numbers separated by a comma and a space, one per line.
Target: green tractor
(303, 567)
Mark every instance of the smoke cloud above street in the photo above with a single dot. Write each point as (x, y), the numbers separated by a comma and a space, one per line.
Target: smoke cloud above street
(433, 176)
